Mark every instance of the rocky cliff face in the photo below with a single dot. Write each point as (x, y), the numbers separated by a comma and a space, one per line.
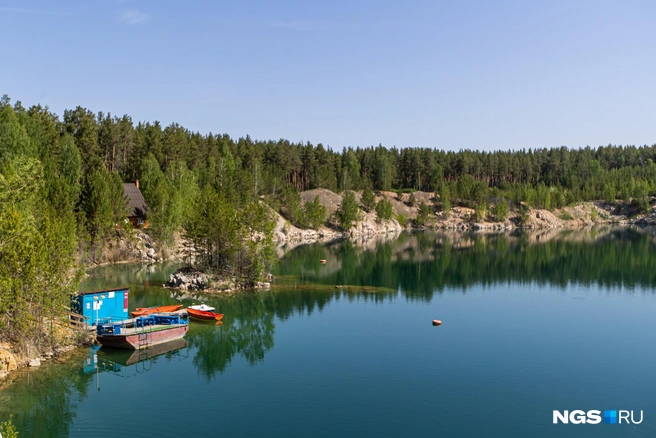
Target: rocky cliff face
(286, 234)
(139, 246)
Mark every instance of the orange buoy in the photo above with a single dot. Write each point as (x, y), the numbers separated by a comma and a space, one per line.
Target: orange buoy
(437, 322)
(323, 262)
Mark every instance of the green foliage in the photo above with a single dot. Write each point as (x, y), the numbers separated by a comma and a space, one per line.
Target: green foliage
(424, 215)
(445, 200)
(311, 215)
(437, 177)
(402, 220)
(479, 213)
(8, 430)
(500, 210)
(543, 197)
(290, 207)
(37, 249)
(315, 213)
(104, 205)
(368, 199)
(257, 239)
(566, 216)
(411, 200)
(170, 196)
(479, 193)
(348, 212)
(231, 242)
(351, 170)
(384, 210)
(640, 194)
(610, 193)
(14, 140)
(523, 214)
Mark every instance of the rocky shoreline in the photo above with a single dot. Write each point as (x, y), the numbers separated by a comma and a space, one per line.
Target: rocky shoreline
(188, 279)
(582, 215)
(138, 246)
(11, 360)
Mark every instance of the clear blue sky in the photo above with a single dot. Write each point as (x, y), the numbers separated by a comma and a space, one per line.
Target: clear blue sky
(457, 74)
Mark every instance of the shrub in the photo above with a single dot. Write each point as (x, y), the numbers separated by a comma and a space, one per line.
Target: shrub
(523, 214)
(8, 430)
(315, 213)
(500, 210)
(566, 216)
(368, 199)
(445, 199)
(347, 213)
(290, 206)
(424, 215)
(479, 212)
(384, 210)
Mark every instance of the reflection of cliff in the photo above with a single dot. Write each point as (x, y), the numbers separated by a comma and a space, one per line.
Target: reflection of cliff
(421, 263)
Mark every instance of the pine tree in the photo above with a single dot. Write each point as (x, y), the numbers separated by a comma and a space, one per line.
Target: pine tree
(348, 212)
(368, 199)
(384, 210)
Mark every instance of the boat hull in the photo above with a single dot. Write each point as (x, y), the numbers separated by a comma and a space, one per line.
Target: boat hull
(135, 341)
(204, 316)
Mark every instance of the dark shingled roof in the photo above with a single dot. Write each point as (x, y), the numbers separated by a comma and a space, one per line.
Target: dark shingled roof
(136, 202)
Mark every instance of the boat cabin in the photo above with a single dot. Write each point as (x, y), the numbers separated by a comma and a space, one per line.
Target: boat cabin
(101, 305)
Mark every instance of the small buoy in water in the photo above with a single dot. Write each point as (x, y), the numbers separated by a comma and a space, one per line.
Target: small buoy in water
(437, 322)
(323, 262)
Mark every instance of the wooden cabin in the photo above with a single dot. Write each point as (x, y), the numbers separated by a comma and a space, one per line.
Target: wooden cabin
(136, 205)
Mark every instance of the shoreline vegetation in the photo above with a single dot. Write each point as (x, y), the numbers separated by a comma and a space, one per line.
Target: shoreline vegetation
(227, 207)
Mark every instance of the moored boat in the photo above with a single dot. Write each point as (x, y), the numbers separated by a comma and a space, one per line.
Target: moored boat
(142, 311)
(206, 315)
(204, 307)
(142, 332)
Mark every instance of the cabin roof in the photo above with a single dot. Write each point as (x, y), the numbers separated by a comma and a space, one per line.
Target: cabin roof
(137, 206)
(102, 290)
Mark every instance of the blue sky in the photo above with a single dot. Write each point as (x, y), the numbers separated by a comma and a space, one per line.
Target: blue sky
(453, 74)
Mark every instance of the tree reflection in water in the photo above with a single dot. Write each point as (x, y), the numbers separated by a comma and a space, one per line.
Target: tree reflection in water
(422, 264)
(414, 266)
(247, 330)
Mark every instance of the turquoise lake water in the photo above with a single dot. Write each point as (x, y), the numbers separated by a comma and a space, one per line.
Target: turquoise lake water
(531, 323)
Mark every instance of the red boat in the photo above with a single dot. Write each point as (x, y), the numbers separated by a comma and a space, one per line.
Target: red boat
(204, 314)
(141, 311)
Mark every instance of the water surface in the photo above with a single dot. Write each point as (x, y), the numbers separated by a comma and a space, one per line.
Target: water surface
(532, 323)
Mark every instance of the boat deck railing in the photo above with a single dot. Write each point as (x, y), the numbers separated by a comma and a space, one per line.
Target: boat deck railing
(140, 325)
